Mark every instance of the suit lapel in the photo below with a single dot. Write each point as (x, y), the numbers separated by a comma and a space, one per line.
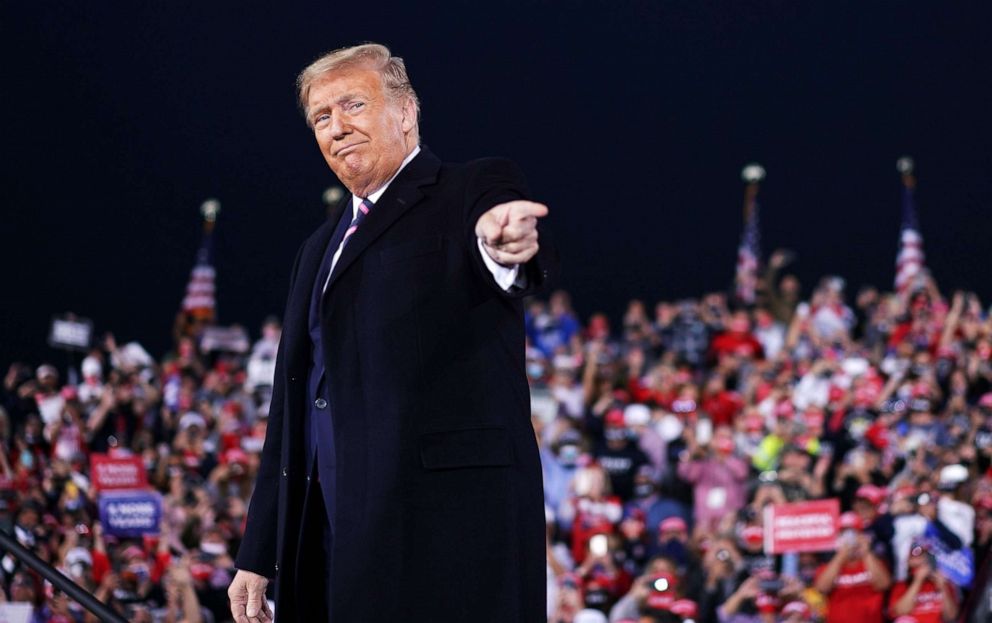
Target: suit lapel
(402, 194)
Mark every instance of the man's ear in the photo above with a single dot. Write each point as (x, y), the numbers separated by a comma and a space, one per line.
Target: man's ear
(409, 114)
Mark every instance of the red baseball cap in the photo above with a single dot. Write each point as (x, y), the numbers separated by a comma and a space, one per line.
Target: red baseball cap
(660, 601)
(753, 535)
(797, 607)
(850, 521)
(766, 603)
(723, 444)
(685, 608)
(614, 417)
(673, 524)
(871, 493)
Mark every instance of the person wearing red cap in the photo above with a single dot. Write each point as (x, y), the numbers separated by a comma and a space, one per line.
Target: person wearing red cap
(629, 606)
(718, 478)
(591, 510)
(855, 580)
(796, 612)
(737, 340)
(618, 455)
(928, 597)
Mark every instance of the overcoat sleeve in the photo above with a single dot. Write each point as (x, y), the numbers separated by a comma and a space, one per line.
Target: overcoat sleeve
(257, 552)
(495, 181)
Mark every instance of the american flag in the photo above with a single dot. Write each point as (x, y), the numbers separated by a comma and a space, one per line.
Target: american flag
(910, 259)
(747, 256)
(749, 251)
(199, 300)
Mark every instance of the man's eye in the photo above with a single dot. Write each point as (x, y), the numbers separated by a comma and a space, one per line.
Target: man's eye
(321, 118)
(356, 106)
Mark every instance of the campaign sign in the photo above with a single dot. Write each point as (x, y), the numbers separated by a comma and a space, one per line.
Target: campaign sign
(802, 526)
(957, 565)
(16, 612)
(130, 513)
(118, 472)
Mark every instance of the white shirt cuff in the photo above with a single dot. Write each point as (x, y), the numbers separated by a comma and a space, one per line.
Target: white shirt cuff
(505, 276)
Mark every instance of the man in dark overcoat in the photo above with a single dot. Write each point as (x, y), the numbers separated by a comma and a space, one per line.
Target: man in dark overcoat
(400, 478)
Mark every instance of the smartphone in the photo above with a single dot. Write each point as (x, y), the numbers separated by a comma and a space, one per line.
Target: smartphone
(704, 431)
(598, 545)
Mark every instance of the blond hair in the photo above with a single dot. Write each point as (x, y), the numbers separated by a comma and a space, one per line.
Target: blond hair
(376, 56)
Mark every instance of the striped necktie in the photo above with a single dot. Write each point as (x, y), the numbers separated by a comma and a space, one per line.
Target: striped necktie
(363, 210)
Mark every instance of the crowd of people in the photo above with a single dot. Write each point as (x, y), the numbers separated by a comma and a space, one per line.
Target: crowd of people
(663, 441)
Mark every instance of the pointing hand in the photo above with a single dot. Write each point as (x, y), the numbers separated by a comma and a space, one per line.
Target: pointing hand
(509, 231)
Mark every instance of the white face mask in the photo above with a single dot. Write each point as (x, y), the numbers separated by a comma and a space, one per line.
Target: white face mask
(214, 549)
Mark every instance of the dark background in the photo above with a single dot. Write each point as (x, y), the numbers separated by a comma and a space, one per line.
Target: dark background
(631, 119)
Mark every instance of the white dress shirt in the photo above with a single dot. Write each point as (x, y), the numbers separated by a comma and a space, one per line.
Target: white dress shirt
(505, 276)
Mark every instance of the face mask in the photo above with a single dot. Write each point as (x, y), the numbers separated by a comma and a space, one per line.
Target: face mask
(535, 370)
(140, 570)
(27, 459)
(675, 550)
(643, 490)
(214, 549)
(615, 434)
(568, 455)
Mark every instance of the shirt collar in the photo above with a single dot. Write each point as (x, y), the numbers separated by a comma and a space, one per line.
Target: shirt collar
(374, 197)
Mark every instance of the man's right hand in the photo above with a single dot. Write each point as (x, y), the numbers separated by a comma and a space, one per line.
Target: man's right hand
(247, 595)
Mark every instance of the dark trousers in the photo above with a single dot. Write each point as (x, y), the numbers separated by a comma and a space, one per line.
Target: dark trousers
(313, 586)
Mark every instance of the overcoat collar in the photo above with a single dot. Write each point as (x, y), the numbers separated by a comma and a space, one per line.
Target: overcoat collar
(402, 194)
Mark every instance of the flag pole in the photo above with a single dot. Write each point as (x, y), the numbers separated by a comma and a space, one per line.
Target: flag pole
(199, 304)
(752, 175)
(910, 261)
(748, 253)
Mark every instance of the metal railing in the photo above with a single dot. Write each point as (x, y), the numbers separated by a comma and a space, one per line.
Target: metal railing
(83, 597)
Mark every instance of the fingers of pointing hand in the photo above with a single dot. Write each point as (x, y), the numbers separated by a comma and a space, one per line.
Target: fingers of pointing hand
(519, 210)
(488, 228)
(519, 245)
(516, 232)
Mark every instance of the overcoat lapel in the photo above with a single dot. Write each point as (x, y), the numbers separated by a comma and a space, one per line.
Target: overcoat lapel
(402, 194)
(298, 345)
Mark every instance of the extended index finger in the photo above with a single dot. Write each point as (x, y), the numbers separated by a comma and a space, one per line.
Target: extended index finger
(521, 209)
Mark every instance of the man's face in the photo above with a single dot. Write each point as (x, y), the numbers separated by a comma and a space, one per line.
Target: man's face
(362, 133)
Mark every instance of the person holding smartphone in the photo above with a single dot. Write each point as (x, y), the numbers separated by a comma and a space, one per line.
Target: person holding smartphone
(855, 579)
(927, 595)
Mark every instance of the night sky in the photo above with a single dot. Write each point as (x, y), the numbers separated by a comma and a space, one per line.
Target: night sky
(632, 121)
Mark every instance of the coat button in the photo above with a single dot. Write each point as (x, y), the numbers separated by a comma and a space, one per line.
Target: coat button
(285, 471)
(292, 378)
(277, 567)
(320, 403)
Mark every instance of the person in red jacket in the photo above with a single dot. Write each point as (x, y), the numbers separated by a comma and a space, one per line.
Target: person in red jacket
(854, 580)
(737, 340)
(927, 596)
